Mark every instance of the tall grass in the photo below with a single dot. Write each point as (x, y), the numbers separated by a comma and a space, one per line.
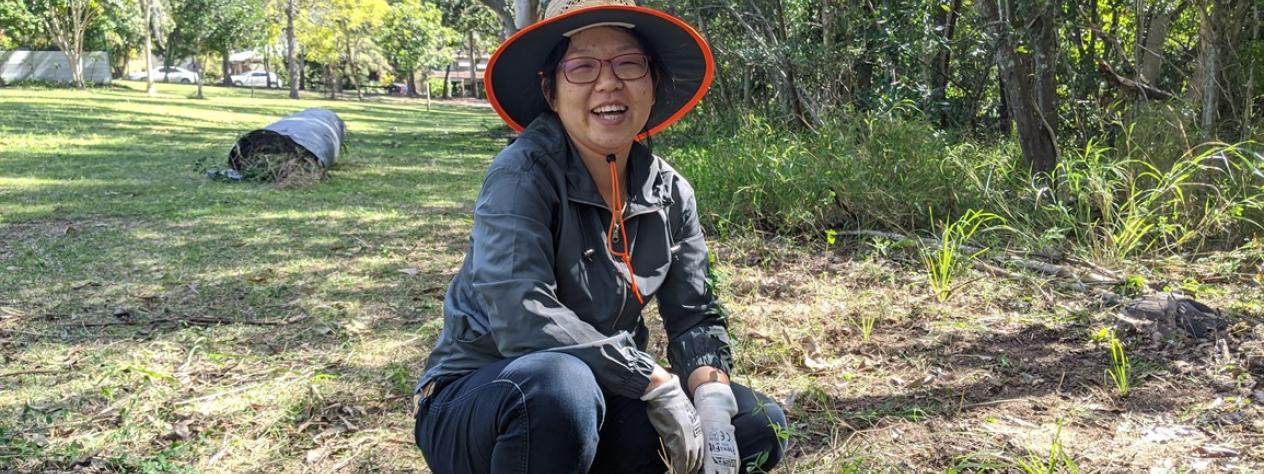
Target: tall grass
(887, 171)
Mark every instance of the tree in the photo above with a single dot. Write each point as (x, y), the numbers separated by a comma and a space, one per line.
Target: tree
(154, 14)
(236, 24)
(339, 34)
(501, 10)
(194, 23)
(119, 31)
(66, 21)
(1025, 33)
(19, 27)
(415, 41)
(291, 45)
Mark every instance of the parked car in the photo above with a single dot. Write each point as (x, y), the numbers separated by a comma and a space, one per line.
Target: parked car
(167, 74)
(255, 79)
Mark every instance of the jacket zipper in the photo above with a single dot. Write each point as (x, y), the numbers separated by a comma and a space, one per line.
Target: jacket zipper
(623, 288)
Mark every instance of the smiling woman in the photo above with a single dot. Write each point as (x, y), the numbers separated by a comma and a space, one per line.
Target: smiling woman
(541, 366)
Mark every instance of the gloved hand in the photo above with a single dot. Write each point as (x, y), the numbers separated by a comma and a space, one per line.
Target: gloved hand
(677, 424)
(717, 407)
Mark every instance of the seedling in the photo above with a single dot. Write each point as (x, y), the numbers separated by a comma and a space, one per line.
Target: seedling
(945, 263)
(1120, 371)
(865, 324)
(1057, 461)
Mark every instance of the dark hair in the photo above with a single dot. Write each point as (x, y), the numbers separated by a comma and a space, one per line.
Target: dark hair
(658, 71)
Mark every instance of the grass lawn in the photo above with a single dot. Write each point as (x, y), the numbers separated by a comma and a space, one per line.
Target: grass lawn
(153, 320)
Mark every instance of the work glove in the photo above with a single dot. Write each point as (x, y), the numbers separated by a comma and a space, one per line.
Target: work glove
(717, 407)
(677, 424)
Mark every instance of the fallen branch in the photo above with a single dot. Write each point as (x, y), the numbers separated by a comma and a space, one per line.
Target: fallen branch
(194, 320)
(1081, 279)
(31, 372)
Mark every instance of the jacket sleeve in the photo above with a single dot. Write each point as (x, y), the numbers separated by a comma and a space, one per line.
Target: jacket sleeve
(696, 323)
(513, 278)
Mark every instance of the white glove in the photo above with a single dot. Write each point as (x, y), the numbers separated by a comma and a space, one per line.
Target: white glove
(716, 407)
(677, 424)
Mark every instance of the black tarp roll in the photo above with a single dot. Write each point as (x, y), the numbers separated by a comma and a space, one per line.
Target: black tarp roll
(313, 133)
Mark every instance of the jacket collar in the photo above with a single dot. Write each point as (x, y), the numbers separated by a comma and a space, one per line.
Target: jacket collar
(646, 180)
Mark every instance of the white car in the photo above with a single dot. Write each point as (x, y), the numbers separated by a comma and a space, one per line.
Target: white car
(255, 79)
(167, 74)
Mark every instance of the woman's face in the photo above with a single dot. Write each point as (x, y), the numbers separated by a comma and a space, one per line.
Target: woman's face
(603, 117)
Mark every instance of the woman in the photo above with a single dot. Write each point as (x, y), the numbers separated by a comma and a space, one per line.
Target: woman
(541, 365)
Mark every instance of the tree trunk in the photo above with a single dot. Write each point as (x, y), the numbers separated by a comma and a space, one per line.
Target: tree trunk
(473, 68)
(941, 66)
(1207, 58)
(302, 74)
(507, 24)
(355, 74)
(447, 81)
(227, 67)
(147, 5)
(267, 68)
(1004, 123)
(425, 79)
(526, 12)
(67, 29)
(1150, 46)
(1028, 78)
(412, 84)
(1245, 134)
(291, 47)
(331, 81)
(197, 66)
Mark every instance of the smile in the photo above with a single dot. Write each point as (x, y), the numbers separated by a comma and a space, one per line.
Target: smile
(610, 113)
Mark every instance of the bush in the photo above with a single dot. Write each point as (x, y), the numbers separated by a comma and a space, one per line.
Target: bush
(891, 171)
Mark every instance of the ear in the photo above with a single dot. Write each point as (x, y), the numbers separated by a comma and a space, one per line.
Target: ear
(548, 95)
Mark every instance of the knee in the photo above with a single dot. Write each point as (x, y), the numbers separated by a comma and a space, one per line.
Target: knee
(762, 435)
(559, 386)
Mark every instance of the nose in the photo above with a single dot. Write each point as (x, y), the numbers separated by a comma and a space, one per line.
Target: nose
(606, 80)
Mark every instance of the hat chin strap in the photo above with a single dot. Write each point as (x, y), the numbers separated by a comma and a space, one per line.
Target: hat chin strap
(617, 225)
(620, 24)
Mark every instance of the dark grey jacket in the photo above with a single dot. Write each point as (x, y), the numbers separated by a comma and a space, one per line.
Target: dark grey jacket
(538, 276)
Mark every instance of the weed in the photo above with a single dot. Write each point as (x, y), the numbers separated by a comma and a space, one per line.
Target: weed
(1057, 461)
(945, 263)
(1120, 371)
(865, 324)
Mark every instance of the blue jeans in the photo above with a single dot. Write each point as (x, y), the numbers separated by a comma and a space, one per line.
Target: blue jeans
(544, 413)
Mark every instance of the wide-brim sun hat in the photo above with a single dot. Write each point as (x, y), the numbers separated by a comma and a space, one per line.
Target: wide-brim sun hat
(512, 77)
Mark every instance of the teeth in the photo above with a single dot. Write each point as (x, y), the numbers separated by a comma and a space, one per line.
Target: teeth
(607, 109)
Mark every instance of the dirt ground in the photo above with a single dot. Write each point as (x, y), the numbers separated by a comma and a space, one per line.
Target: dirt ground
(996, 378)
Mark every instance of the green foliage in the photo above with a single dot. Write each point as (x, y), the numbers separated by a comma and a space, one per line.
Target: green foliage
(1056, 461)
(886, 170)
(19, 26)
(414, 39)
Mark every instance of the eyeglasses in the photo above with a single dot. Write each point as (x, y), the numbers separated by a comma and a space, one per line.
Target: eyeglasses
(585, 70)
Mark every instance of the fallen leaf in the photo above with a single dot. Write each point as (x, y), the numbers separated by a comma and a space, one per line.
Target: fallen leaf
(920, 382)
(410, 271)
(1214, 451)
(816, 365)
(316, 454)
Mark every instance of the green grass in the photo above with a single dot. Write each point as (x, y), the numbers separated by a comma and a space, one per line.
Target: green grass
(105, 211)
